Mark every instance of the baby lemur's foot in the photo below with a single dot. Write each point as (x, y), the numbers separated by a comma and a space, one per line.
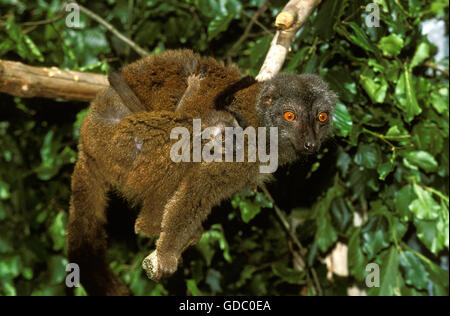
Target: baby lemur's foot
(158, 267)
(193, 81)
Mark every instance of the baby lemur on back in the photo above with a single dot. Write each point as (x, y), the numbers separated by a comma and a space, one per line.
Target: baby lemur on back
(125, 146)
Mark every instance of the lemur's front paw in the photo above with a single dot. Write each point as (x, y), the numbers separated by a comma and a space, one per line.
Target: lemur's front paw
(158, 267)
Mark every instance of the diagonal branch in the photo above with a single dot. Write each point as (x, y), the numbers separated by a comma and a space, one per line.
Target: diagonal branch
(247, 30)
(141, 51)
(288, 22)
(302, 251)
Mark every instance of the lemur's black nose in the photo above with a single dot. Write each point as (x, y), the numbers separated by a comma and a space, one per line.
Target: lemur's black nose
(310, 146)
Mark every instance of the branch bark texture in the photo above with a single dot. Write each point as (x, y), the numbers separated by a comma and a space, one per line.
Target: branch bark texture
(25, 81)
(288, 22)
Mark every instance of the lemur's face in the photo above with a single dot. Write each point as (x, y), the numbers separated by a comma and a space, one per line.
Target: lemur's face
(301, 106)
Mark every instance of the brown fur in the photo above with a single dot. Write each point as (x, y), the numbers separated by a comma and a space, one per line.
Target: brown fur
(130, 152)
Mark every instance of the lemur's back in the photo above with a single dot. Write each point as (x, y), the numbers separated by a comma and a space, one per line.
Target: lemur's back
(160, 81)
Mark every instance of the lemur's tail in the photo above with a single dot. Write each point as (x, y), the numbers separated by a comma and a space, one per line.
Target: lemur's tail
(86, 235)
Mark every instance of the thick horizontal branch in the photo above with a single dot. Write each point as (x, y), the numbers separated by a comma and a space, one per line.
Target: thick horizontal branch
(27, 82)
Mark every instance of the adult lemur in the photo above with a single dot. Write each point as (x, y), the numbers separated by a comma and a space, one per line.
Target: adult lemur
(125, 146)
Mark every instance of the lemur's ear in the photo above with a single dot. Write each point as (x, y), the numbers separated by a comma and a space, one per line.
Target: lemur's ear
(127, 95)
(270, 90)
(226, 96)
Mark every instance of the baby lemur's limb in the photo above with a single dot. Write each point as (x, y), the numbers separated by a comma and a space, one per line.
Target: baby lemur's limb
(127, 95)
(193, 84)
(225, 98)
(150, 218)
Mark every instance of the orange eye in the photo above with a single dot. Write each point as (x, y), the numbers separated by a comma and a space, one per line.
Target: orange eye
(322, 117)
(289, 116)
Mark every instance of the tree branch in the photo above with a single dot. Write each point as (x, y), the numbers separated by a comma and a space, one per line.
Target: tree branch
(288, 22)
(302, 251)
(141, 51)
(433, 66)
(27, 82)
(247, 30)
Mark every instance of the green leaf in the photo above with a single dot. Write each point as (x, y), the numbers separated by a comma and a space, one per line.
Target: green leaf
(356, 259)
(375, 236)
(329, 15)
(440, 279)
(422, 53)
(424, 207)
(344, 162)
(287, 274)
(4, 190)
(6, 46)
(58, 231)
(259, 50)
(439, 100)
(415, 273)
(8, 287)
(342, 120)
(427, 137)
(359, 37)
(389, 285)
(80, 291)
(33, 48)
(57, 269)
(213, 278)
(326, 234)
(396, 131)
(10, 267)
(248, 210)
(384, 170)
(432, 234)
(375, 85)
(294, 62)
(218, 25)
(341, 214)
(208, 241)
(403, 198)
(13, 29)
(192, 288)
(422, 159)
(406, 96)
(368, 156)
(52, 159)
(77, 125)
(391, 45)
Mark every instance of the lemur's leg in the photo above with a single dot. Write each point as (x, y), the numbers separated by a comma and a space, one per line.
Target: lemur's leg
(150, 218)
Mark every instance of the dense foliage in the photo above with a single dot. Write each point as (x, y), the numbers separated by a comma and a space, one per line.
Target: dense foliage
(379, 187)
